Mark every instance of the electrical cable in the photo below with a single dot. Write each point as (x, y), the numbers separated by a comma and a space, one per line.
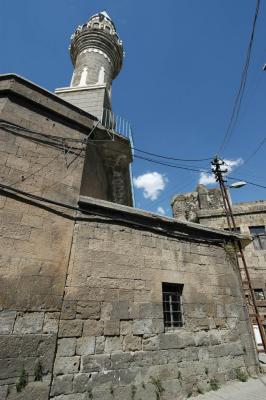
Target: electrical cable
(172, 158)
(158, 228)
(250, 183)
(59, 139)
(240, 92)
(171, 165)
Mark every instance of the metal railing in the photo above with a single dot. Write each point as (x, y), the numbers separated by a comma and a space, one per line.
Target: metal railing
(116, 124)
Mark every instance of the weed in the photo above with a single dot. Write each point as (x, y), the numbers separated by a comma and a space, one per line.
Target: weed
(38, 371)
(159, 389)
(112, 390)
(133, 391)
(230, 250)
(22, 381)
(214, 384)
(241, 375)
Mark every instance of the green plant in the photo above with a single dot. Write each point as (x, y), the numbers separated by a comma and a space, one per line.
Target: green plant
(241, 375)
(214, 384)
(22, 381)
(158, 387)
(112, 390)
(200, 390)
(133, 391)
(230, 250)
(38, 371)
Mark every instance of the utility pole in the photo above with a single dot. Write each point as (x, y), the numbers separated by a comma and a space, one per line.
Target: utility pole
(218, 172)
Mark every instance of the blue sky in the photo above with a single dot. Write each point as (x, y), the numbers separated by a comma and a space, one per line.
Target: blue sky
(181, 73)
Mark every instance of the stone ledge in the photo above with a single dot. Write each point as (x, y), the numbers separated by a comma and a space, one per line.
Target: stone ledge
(12, 85)
(152, 220)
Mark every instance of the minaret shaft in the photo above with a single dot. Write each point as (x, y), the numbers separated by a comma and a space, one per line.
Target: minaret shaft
(97, 55)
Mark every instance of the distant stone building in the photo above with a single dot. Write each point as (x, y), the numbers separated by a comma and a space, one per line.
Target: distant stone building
(99, 300)
(205, 206)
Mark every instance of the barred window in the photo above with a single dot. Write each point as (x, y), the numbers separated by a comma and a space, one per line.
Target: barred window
(172, 305)
(259, 237)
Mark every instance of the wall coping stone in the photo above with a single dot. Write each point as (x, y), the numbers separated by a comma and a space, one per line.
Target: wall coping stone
(155, 221)
(13, 85)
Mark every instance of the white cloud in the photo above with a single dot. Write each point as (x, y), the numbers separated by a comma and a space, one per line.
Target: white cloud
(152, 183)
(160, 210)
(208, 179)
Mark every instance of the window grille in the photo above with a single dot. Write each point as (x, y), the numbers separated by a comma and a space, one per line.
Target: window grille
(172, 305)
(259, 237)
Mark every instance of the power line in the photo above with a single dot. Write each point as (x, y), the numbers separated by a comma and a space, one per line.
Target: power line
(254, 152)
(240, 92)
(172, 158)
(243, 179)
(61, 140)
(170, 165)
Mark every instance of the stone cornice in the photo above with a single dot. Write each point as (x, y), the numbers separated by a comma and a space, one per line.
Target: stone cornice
(19, 89)
(135, 217)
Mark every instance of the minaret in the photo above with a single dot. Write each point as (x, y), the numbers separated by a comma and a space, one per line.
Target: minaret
(97, 55)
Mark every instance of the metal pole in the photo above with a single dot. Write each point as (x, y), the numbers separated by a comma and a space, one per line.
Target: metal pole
(231, 222)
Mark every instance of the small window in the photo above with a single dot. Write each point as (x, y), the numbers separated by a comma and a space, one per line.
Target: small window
(172, 305)
(259, 294)
(96, 25)
(107, 28)
(259, 237)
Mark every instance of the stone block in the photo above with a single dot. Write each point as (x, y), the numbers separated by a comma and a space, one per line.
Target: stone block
(157, 326)
(126, 327)
(111, 328)
(29, 323)
(85, 345)
(66, 347)
(72, 396)
(51, 322)
(7, 320)
(151, 343)
(62, 384)
(95, 363)
(69, 309)
(113, 344)
(120, 310)
(3, 392)
(70, 328)
(88, 310)
(132, 343)
(177, 340)
(33, 391)
(83, 382)
(121, 360)
(99, 345)
(142, 326)
(93, 328)
(66, 365)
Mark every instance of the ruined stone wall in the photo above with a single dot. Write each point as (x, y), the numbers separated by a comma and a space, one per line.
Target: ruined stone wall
(112, 342)
(246, 215)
